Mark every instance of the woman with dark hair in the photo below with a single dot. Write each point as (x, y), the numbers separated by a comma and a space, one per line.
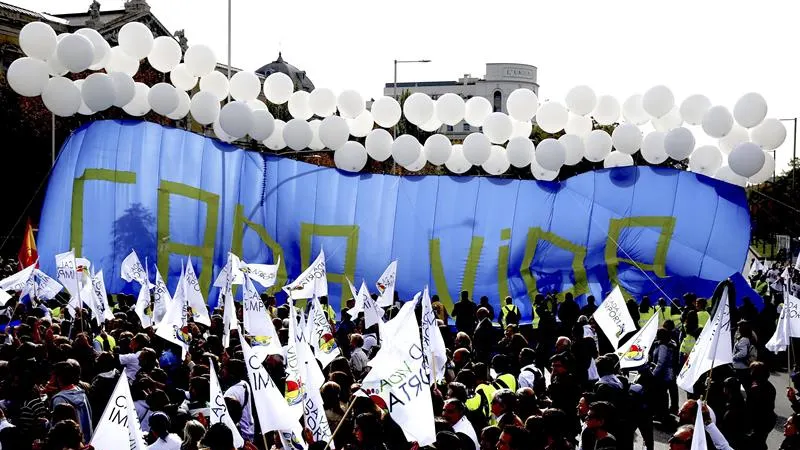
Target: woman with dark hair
(761, 405)
(744, 352)
(368, 434)
(66, 435)
(159, 432)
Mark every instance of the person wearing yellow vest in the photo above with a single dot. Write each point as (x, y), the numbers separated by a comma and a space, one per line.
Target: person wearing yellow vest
(646, 311)
(509, 313)
(326, 308)
(484, 391)
(702, 315)
(663, 313)
(104, 342)
(536, 307)
(503, 380)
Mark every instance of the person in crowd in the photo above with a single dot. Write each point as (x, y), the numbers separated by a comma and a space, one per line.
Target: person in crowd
(67, 375)
(193, 433)
(530, 375)
(589, 308)
(484, 303)
(160, 436)
(744, 353)
(598, 422)
(568, 312)
(455, 413)
(485, 336)
(235, 374)
(358, 357)
(504, 403)
(490, 435)
(760, 404)
(791, 435)
(682, 438)
(513, 438)
(509, 314)
(464, 313)
(664, 358)
(367, 432)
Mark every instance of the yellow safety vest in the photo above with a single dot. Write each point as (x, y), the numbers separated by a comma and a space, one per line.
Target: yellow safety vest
(509, 308)
(645, 316)
(702, 318)
(687, 344)
(663, 316)
(112, 343)
(506, 379)
(482, 400)
(329, 312)
(675, 317)
(535, 317)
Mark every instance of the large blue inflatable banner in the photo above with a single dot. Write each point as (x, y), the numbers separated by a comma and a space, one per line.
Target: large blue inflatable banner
(170, 194)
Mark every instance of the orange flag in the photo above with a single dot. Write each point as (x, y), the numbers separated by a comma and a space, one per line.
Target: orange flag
(28, 254)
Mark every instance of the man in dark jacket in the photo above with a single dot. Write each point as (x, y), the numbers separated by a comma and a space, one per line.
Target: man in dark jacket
(464, 313)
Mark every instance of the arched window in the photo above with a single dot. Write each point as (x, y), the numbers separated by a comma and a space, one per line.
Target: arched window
(498, 101)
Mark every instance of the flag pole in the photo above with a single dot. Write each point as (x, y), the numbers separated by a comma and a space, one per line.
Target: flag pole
(341, 422)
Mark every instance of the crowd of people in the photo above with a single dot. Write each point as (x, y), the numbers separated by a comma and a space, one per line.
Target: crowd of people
(554, 384)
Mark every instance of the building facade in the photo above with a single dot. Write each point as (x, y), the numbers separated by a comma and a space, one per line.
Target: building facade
(500, 81)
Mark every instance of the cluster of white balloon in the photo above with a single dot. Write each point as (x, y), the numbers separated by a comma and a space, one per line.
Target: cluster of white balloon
(744, 135)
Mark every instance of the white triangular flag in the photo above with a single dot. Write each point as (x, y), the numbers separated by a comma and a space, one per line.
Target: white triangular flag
(755, 267)
(613, 318)
(635, 352)
(219, 410)
(295, 391)
(313, 408)
(230, 273)
(273, 412)
(119, 424)
(161, 298)
(788, 324)
(713, 348)
(386, 285)
(699, 436)
(143, 305)
(312, 282)
(402, 366)
(41, 287)
(258, 324)
(197, 304)
(432, 341)
(389, 329)
(67, 273)
(322, 339)
(17, 281)
(132, 269)
(263, 274)
(373, 314)
(359, 297)
(174, 326)
(101, 296)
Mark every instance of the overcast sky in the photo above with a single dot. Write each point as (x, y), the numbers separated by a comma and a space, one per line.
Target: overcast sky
(722, 49)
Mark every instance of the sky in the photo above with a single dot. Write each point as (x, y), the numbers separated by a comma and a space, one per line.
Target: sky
(722, 49)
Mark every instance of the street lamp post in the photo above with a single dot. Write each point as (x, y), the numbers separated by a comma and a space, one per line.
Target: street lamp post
(396, 62)
(794, 147)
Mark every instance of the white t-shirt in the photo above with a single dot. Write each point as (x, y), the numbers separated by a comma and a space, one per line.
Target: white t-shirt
(173, 442)
(130, 362)
(464, 426)
(241, 392)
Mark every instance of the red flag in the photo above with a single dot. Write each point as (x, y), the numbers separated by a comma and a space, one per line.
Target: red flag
(28, 254)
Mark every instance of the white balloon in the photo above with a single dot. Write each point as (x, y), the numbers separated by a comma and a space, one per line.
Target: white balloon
(55, 66)
(658, 101)
(552, 117)
(139, 106)
(236, 119)
(83, 109)
(163, 98)
(322, 102)
(521, 129)
(767, 170)
(316, 143)
(245, 86)
(498, 127)
(386, 112)
(578, 125)
(746, 159)
(770, 134)
(256, 104)
(200, 60)
(417, 165)
(297, 134)
(100, 47)
(61, 97)
(433, 124)
(37, 40)
(182, 79)
(679, 143)
(737, 135)
(497, 164)
(350, 104)
(541, 173)
(633, 110)
(278, 87)
(725, 173)
(298, 105)
(216, 83)
(124, 88)
(617, 159)
(705, 160)
(597, 145)
(263, 125)
(750, 110)
(275, 140)
(519, 151)
(379, 144)
(361, 125)
(476, 110)
(717, 122)
(653, 147)
(574, 148)
(119, 61)
(418, 108)
(627, 138)
(437, 149)
(607, 110)
(136, 39)
(581, 100)
(333, 132)
(28, 76)
(406, 149)
(450, 109)
(183, 106)
(694, 108)
(477, 148)
(165, 55)
(457, 163)
(352, 157)
(522, 104)
(75, 52)
(668, 121)
(221, 134)
(204, 107)
(550, 154)
(98, 92)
